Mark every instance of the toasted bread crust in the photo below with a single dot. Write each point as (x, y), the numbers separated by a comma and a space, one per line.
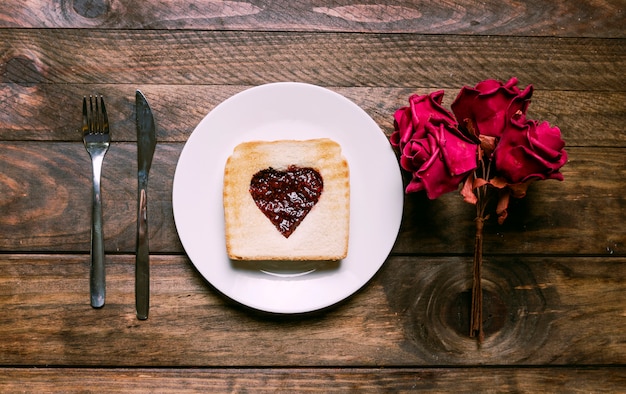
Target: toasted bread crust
(322, 235)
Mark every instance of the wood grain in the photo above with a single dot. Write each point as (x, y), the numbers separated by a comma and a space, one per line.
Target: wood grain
(590, 18)
(543, 311)
(32, 56)
(289, 380)
(45, 112)
(553, 274)
(45, 196)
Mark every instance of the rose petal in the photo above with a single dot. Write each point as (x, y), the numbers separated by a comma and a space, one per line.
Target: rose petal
(528, 150)
(459, 152)
(414, 186)
(546, 140)
(487, 106)
(403, 126)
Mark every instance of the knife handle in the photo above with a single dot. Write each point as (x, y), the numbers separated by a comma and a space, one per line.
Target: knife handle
(142, 259)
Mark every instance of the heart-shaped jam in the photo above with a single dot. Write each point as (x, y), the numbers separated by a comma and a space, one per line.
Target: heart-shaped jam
(286, 197)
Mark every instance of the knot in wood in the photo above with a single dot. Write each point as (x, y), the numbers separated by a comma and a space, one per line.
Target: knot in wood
(437, 301)
(22, 71)
(91, 8)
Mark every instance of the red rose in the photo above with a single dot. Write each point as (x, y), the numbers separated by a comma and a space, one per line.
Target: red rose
(410, 122)
(529, 150)
(438, 155)
(483, 110)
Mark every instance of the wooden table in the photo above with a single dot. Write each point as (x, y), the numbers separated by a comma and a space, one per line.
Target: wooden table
(554, 272)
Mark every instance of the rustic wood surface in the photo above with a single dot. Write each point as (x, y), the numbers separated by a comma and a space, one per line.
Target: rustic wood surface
(554, 275)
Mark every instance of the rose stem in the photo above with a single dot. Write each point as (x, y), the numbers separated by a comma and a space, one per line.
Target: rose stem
(476, 316)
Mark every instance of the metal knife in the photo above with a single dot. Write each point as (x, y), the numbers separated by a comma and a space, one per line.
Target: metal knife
(146, 142)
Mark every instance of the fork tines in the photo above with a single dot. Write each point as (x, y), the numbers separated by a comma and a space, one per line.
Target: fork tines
(95, 121)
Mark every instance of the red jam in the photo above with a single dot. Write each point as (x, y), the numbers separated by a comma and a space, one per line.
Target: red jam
(286, 197)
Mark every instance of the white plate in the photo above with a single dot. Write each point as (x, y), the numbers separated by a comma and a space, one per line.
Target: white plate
(288, 111)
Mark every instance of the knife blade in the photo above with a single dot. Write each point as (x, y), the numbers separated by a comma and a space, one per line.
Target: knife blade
(146, 143)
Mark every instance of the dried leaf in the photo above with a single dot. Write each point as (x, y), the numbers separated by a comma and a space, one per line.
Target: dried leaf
(503, 204)
(468, 190)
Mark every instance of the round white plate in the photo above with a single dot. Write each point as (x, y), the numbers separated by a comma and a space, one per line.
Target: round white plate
(288, 111)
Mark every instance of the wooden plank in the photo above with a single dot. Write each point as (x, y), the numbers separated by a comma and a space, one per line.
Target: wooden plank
(46, 186)
(289, 380)
(47, 190)
(33, 56)
(592, 18)
(570, 217)
(51, 112)
(540, 311)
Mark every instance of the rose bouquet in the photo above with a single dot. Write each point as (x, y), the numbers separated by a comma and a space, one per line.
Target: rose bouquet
(485, 147)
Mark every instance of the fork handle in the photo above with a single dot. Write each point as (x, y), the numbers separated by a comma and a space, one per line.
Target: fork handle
(96, 271)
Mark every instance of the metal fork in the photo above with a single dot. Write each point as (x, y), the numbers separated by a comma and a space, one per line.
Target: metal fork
(97, 139)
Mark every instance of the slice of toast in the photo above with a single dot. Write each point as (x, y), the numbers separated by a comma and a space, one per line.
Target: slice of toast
(323, 232)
